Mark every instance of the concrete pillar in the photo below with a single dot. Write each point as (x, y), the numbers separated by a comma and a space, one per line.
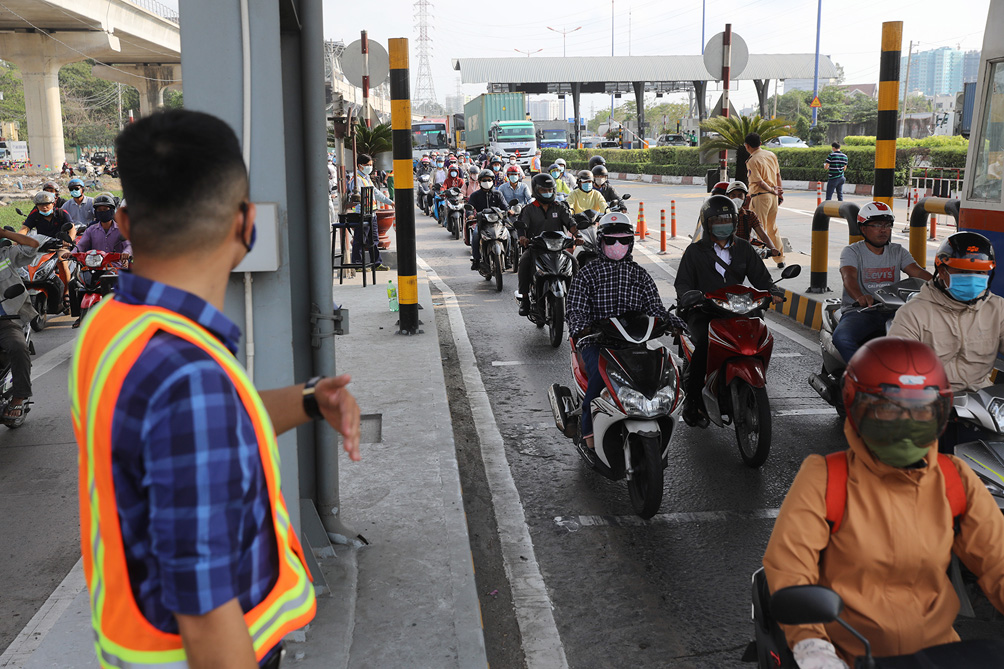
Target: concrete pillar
(762, 86)
(700, 87)
(639, 101)
(150, 80)
(576, 97)
(39, 58)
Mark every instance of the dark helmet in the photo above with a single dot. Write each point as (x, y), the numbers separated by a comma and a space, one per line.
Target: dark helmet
(968, 251)
(890, 374)
(720, 188)
(105, 200)
(717, 209)
(583, 175)
(554, 167)
(596, 160)
(599, 171)
(542, 182)
(485, 175)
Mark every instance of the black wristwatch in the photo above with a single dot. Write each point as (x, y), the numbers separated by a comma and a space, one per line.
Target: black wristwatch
(310, 399)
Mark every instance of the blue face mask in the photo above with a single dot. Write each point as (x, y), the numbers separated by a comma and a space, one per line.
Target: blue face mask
(47, 213)
(76, 193)
(722, 230)
(367, 169)
(555, 175)
(587, 186)
(547, 197)
(967, 287)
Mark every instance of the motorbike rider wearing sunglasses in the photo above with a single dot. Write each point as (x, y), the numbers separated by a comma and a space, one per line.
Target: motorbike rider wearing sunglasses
(886, 552)
(610, 286)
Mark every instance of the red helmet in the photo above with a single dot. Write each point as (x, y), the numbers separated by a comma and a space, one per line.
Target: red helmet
(512, 169)
(894, 371)
(720, 188)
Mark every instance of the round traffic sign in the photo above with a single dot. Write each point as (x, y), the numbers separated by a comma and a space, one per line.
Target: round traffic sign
(714, 53)
(352, 63)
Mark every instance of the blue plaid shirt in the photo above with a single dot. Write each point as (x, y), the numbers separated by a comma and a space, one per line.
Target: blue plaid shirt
(189, 485)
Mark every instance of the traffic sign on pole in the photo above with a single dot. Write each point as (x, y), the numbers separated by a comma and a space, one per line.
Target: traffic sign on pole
(815, 102)
(714, 55)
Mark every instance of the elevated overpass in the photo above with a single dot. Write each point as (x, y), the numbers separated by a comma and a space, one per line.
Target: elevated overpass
(136, 42)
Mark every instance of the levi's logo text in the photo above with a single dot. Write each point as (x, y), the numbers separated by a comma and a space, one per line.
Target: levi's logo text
(878, 275)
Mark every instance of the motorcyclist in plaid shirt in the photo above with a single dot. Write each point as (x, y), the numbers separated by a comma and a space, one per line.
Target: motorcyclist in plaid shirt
(612, 285)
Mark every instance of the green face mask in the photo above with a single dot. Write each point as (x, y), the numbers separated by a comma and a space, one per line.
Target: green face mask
(898, 443)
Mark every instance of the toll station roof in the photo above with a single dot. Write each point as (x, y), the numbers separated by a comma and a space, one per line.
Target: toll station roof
(595, 69)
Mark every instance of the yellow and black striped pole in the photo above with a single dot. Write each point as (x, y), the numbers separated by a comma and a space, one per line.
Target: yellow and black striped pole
(404, 186)
(888, 112)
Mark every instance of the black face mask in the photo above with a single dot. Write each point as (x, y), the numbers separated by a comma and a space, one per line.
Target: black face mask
(104, 216)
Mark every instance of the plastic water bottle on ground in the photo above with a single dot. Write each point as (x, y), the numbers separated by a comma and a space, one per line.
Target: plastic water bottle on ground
(392, 296)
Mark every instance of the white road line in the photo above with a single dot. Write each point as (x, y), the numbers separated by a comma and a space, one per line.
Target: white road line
(575, 523)
(507, 363)
(793, 336)
(47, 362)
(806, 412)
(542, 645)
(657, 260)
(45, 618)
(786, 355)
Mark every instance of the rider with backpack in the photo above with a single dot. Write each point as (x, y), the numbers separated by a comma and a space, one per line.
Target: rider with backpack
(878, 523)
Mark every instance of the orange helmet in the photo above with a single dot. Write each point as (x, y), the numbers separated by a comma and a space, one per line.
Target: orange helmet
(968, 251)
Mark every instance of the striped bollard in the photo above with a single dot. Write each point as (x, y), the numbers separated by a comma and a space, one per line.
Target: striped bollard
(404, 191)
(640, 226)
(819, 193)
(662, 232)
(672, 218)
(888, 111)
(934, 227)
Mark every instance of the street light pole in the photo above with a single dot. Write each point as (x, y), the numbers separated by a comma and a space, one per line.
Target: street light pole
(610, 122)
(564, 35)
(815, 76)
(528, 53)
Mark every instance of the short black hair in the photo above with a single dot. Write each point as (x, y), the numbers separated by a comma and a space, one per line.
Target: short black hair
(363, 159)
(183, 177)
(753, 139)
(836, 146)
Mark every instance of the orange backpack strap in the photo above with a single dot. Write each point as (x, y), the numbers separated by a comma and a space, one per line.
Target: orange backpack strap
(836, 489)
(954, 489)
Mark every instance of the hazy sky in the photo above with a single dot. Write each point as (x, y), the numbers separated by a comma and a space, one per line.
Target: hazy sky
(851, 30)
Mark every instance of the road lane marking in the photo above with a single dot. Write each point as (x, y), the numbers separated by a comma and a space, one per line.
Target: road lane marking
(806, 412)
(47, 362)
(507, 363)
(657, 260)
(792, 335)
(542, 645)
(575, 523)
(786, 355)
(31, 637)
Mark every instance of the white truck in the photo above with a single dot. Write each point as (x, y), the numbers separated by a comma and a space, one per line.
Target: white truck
(15, 152)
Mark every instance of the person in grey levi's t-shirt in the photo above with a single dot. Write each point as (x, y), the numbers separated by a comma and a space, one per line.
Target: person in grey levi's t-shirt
(865, 267)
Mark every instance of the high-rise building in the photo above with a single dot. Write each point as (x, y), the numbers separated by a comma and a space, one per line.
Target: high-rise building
(935, 72)
(543, 109)
(970, 66)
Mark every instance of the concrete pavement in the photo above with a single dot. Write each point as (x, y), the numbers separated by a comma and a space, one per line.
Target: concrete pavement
(405, 599)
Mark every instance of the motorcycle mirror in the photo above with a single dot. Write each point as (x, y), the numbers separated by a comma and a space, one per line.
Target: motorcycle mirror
(626, 196)
(690, 299)
(13, 291)
(791, 271)
(65, 227)
(513, 201)
(805, 605)
(19, 212)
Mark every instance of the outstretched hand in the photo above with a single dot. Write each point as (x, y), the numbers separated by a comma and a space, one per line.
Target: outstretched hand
(340, 409)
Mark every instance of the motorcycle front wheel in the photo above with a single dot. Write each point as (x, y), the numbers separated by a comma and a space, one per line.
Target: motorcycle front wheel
(497, 262)
(39, 322)
(455, 227)
(516, 251)
(752, 419)
(555, 320)
(645, 484)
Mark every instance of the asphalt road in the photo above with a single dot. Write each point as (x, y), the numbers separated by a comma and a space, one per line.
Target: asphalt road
(674, 591)
(38, 489)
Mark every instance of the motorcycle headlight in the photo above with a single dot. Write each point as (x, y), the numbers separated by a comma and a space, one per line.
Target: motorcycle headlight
(996, 411)
(554, 243)
(740, 304)
(50, 264)
(93, 260)
(23, 271)
(636, 404)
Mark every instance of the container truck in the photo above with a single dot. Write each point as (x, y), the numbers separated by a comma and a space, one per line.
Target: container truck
(498, 122)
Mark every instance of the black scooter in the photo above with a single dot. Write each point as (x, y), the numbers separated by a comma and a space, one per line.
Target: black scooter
(494, 242)
(425, 194)
(552, 277)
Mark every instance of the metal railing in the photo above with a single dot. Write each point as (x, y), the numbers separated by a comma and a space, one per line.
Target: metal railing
(938, 181)
(157, 8)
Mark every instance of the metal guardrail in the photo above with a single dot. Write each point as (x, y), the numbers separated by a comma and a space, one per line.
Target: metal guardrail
(157, 8)
(819, 263)
(918, 223)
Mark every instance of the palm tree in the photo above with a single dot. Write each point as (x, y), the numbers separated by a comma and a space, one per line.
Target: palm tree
(377, 139)
(733, 131)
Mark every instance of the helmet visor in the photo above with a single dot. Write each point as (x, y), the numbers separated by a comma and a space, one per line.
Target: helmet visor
(894, 403)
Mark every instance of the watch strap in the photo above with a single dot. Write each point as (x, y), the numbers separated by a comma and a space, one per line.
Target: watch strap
(310, 406)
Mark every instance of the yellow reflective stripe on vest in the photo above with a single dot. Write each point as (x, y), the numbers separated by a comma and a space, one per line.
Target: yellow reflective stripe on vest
(289, 605)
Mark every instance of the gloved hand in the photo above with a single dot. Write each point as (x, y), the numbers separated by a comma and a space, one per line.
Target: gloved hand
(817, 654)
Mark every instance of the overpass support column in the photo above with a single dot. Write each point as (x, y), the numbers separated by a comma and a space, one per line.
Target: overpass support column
(639, 101)
(576, 96)
(39, 58)
(762, 86)
(150, 80)
(700, 88)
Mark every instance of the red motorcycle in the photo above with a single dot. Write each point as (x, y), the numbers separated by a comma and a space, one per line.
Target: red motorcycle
(739, 350)
(97, 274)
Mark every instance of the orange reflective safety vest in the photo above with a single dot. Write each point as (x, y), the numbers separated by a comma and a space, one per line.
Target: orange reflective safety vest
(111, 340)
